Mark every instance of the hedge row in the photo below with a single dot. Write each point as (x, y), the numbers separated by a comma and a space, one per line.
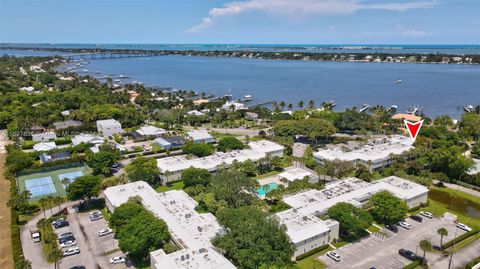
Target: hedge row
(418, 207)
(54, 167)
(17, 251)
(311, 252)
(459, 238)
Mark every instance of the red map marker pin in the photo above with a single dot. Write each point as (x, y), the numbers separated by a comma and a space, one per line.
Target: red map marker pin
(413, 128)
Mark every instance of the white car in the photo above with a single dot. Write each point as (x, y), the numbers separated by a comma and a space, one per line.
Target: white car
(67, 244)
(404, 224)
(105, 232)
(95, 212)
(95, 217)
(426, 214)
(115, 260)
(464, 227)
(71, 251)
(333, 255)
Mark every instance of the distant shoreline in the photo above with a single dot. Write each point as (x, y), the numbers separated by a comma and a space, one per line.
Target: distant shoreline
(341, 56)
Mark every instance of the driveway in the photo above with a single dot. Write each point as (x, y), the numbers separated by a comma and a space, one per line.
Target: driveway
(380, 250)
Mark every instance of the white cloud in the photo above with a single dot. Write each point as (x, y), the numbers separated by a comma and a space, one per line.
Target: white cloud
(399, 31)
(410, 33)
(303, 8)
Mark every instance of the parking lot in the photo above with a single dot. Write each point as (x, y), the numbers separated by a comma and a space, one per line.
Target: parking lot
(95, 251)
(380, 250)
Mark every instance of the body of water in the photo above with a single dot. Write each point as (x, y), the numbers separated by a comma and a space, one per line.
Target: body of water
(321, 48)
(438, 88)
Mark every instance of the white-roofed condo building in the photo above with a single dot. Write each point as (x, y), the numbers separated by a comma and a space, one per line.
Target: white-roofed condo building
(200, 136)
(306, 231)
(109, 127)
(373, 155)
(190, 230)
(171, 167)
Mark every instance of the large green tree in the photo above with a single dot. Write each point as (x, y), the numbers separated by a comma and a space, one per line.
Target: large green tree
(199, 150)
(228, 143)
(353, 221)
(101, 162)
(195, 176)
(142, 168)
(252, 240)
(84, 188)
(386, 208)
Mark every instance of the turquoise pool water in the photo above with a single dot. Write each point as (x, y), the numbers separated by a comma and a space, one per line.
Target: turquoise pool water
(263, 190)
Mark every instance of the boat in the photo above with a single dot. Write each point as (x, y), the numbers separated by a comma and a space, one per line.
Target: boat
(398, 81)
(415, 110)
(393, 108)
(364, 107)
(247, 97)
(469, 109)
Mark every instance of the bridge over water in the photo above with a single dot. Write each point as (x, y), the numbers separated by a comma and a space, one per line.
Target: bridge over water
(111, 54)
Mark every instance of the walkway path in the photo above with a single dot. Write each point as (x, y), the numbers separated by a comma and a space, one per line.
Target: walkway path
(460, 259)
(460, 188)
(6, 259)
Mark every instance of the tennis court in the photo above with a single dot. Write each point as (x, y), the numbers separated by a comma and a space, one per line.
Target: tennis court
(50, 183)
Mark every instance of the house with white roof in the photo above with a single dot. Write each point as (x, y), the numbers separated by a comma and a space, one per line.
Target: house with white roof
(294, 173)
(148, 131)
(306, 231)
(200, 136)
(44, 146)
(233, 106)
(171, 167)
(45, 136)
(109, 127)
(375, 155)
(195, 113)
(87, 139)
(191, 231)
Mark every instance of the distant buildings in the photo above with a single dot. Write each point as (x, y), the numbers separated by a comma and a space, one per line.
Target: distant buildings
(306, 231)
(170, 142)
(190, 230)
(45, 158)
(171, 167)
(251, 116)
(87, 139)
(408, 117)
(45, 136)
(109, 127)
(195, 113)
(44, 146)
(233, 106)
(373, 155)
(294, 173)
(200, 136)
(148, 131)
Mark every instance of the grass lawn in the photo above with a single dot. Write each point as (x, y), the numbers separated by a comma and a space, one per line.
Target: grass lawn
(464, 205)
(373, 229)
(311, 262)
(268, 174)
(341, 243)
(174, 186)
(465, 243)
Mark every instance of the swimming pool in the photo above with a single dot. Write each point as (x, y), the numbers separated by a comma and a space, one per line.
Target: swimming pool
(264, 189)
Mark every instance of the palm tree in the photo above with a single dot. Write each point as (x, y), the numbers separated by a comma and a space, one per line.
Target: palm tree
(50, 201)
(43, 202)
(290, 106)
(65, 182)
(300, 104)
(442, 232)
(56, 255)
(282, 105)
(425, 245)
(311, 104)
(58, 200)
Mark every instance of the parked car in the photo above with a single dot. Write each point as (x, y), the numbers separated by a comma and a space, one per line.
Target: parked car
(464, 227)
(71, 251)
(57, 220)
(392, 228)
(35, 234)
(61, 224)
(333, 255)
(416, 218)
(116, 165)
(105, 232)
(95, 212)
(426, 214)
(404, 224)
(67, 244)
(115, 260)
(67, 234)
(78, 267)
(95, 217)
(66, 239)
(407, 254)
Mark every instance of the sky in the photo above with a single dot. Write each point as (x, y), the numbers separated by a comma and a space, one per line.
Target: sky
(241, 21)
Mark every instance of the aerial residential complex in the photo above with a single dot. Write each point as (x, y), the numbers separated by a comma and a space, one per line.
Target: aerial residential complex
(306, 231)
(109, 127)
(190, 230)
(171, 168)
(373, 155)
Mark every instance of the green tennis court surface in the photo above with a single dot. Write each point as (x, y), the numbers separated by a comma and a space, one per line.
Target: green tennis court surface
(49, 183)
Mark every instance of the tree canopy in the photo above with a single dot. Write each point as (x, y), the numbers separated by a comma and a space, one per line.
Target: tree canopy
(199, 150)
(142, 168)
(386, 208)
(195, 176)
(228, 143)
(84, 188)
(353, 221)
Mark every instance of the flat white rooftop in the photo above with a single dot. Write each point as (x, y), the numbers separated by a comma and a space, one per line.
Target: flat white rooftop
(109, 122)
(352, 190)
(375, 150)
(258, 150)
(190, 229)
(296, 173)
(199, 135)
